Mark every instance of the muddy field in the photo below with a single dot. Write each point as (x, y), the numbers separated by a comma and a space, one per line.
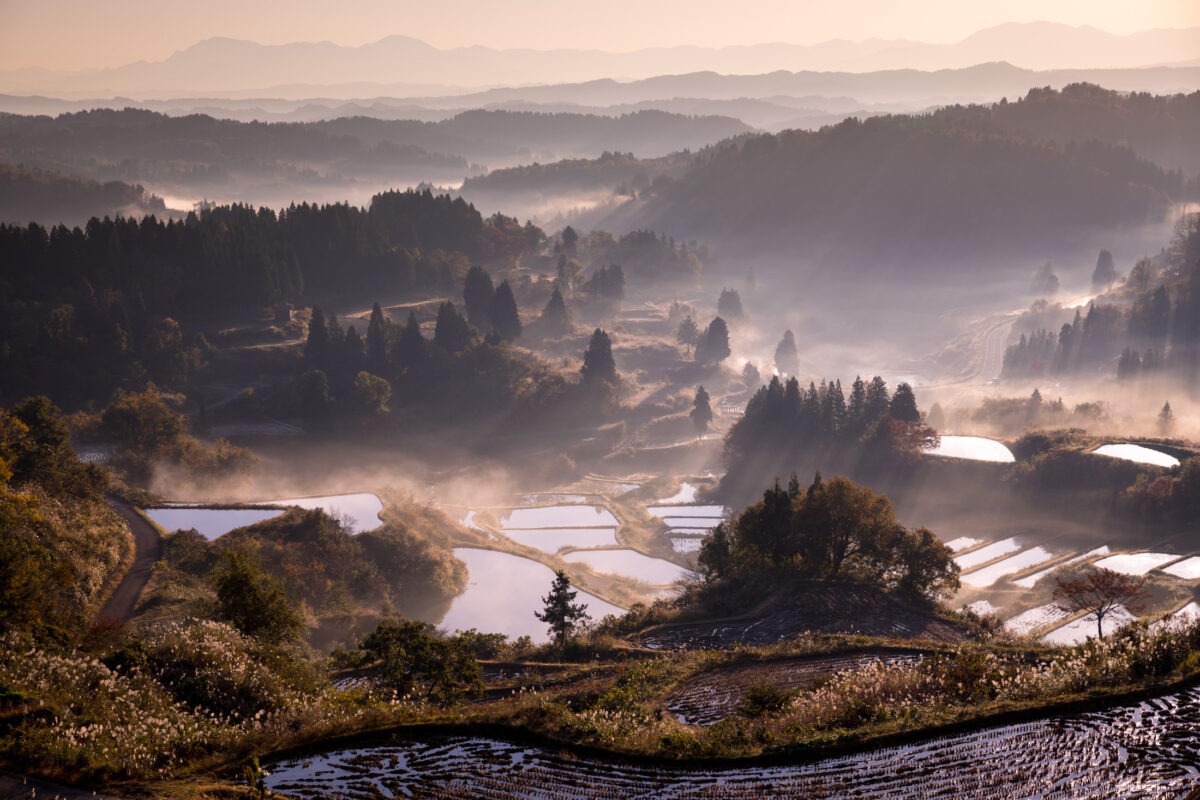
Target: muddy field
(816, 607)
(713, 695)
(1146, 750)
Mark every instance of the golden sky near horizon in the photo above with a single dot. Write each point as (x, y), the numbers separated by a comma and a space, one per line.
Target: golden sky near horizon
(84, 34)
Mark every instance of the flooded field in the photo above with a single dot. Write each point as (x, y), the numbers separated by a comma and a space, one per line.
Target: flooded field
(1137, 453)
(630, 564)
(559, 516)
(502, 593)
(1144, 751)
(974, 448)
(551, 540)
(986, 553)
(210, 523)
(982, 578)
(1077, 630)
(1135, 563)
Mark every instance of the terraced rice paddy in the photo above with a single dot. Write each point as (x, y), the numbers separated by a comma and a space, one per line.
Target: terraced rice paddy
(962, 543)
(973, 448)
(629, 564)
(982, 578)
(711, 696)
(1078, 630)
(1141, 751)
(1138, 454)
(1030, 581)
(210, 523)
(1135, 563)
(1029, 621)
(1188, 569)
(987, 553)
(560, 516)
(551, 540)
(503, 591)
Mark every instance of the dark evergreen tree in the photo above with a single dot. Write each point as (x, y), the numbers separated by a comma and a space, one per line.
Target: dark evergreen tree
(787, 359)
(1166, 420)
(502, 313)
(354, 352)
(856, 410)
(316, 407)
(904, 404)
(598, 365)
(477, 297)
(701, 413)
(555, 319)
(316, 348)
(750, 376)
(878, 403)
(377, 341)
(1105, 273)
(451, 332)
(410, 349)
(559, 610)
(713, 347)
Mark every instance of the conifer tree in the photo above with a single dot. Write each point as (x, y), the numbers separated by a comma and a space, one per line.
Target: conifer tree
(316, 348)
(729, 304)
(904, 404)
(787, 359)
(559, 611)
(377, 341)
(598, 365)
(857, 410)
(1105, 273)
(451, 332)
(750, 376)
(477, 296)
(701, 413)
(713, 347)
(409, 351)
(1166, 420)
(877, 401)
(502, 313)
(555, 317)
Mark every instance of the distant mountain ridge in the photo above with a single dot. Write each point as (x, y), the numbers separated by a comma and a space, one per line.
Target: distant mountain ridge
(233, 65)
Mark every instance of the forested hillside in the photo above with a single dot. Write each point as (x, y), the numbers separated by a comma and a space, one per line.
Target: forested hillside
(34, 194)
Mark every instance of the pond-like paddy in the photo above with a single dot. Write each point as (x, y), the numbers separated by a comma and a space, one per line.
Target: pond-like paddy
(687, 511)
(560, 516)
(1135, 452)
(551, 540)
(1135, 563)
(502, 593)
(686, 494)
(1030, 581)
(982, 578)
(361, 510)
(987, 553)
(630, 564)
(1188, 569)
(1078, 630)
(211, 523)
(975, 448)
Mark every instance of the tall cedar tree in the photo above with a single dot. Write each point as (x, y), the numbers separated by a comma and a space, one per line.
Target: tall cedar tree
(598, 365)
(315, 404)
(787, 358)
(878, 403)
(1106, 271)
(477, 296)
(904, 405)
(502, 313)
(377, 341)
(451, 332)
(751, 377)
(713, 347)
(554, 316)
(1166, 420)
(559, 612)
(316, 348)
(701, 413)
(688, 334)
(409, 352)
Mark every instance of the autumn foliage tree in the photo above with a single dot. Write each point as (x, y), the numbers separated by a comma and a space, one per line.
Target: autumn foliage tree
(1100, 592)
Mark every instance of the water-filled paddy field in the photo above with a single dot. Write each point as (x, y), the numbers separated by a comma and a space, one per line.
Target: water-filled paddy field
(1146, 750)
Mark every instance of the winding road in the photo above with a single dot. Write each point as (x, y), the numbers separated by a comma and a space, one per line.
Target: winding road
(148, 548)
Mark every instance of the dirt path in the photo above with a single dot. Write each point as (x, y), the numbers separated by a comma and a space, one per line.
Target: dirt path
(149, 549)
(20, 787)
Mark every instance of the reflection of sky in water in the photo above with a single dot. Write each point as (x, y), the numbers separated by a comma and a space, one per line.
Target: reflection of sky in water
(560, 517)
(1138, 454)
(502, 593)
(629, 563)
(973, 447)
(551, 540)
(210, 522)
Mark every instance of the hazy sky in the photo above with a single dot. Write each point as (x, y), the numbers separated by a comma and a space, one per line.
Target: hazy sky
(79, 34)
